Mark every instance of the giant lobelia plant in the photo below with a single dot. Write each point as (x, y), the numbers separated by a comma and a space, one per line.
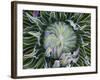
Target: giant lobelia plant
(56, 39)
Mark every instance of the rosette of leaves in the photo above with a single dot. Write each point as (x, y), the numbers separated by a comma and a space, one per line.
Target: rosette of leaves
(56, 39)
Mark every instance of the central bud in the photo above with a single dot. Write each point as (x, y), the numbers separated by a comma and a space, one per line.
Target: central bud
(59, 38)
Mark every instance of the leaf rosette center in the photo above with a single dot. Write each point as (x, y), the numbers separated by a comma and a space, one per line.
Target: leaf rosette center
(59, 38)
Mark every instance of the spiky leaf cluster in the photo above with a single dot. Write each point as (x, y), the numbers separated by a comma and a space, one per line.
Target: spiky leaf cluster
(56, 39)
